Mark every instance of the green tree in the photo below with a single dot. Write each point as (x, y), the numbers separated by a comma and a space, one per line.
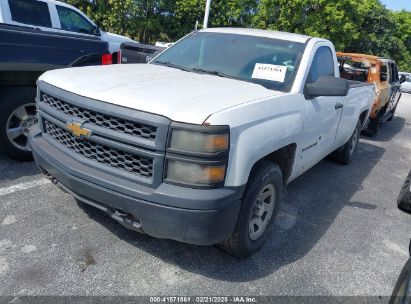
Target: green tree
(364, 26)
(382, 33)
(223, 13)
(354, 26)
(330, 19)
(403, 34)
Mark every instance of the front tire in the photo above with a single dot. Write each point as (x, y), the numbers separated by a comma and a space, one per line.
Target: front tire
(345, 154)
(260, 205)
(17, 115)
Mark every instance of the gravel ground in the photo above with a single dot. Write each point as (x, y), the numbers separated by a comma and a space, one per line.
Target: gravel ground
(338, 233)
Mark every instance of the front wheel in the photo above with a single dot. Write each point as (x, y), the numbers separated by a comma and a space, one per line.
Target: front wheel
(260, 205)
(17, 115)
(346, 153)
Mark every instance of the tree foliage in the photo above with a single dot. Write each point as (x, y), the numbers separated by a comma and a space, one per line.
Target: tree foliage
(330, 19)
(364, 26)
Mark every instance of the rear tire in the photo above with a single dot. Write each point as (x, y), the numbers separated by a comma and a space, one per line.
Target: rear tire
(392, 113)
(17, 115)
(260, 205)
(375, 124)
(345, 154)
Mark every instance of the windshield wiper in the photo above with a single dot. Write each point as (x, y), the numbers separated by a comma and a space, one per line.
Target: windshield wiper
(171, 65)
(217, 73)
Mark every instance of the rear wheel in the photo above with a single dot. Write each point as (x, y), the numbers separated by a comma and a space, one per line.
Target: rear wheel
(346, 153)
(375, 124)
(392, 112)
(259, 208)
(18, 114)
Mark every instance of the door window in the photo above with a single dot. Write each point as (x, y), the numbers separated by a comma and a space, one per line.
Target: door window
(322, 65)
(384, 73)
(74, 22)
(30, 12)
(395, 77)
(392, 78)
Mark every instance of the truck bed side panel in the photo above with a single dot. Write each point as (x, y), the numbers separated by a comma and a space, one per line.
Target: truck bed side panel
(359, 99)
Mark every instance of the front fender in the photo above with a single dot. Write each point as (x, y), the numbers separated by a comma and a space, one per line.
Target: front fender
(257, 130)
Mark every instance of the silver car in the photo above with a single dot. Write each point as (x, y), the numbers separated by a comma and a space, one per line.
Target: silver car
(406, 85)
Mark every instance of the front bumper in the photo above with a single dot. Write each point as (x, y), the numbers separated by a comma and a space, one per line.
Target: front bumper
(196, 216)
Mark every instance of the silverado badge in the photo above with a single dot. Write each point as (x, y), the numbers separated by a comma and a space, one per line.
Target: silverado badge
(77, 130)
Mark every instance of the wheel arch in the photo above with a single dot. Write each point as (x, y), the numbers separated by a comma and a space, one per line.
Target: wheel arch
(6, 90)
(11, 98)
(363, 117)
(283, 157)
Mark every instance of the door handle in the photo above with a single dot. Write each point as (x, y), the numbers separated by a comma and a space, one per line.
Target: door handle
(339, 105)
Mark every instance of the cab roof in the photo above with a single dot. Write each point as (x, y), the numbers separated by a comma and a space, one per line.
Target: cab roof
(363, 57)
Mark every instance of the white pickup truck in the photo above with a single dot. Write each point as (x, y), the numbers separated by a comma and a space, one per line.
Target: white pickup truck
(198, 145)
(55, 16)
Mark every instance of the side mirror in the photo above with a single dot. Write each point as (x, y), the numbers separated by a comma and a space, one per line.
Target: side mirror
(96, 31)
(383, 77)
(403, 78)
(404, 199)
(327, 86)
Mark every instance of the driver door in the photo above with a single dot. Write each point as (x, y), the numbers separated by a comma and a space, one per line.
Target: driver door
(395, 88)
(322, 114)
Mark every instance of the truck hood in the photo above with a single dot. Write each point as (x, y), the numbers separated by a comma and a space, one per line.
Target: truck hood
(173, 93)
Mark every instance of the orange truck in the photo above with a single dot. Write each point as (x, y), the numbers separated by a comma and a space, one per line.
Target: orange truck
(384, 74)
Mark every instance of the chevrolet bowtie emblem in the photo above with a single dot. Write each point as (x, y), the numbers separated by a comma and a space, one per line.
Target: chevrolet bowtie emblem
(77, 130)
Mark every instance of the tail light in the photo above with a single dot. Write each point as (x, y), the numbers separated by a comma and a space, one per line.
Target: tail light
(119, 56)
(106, 59)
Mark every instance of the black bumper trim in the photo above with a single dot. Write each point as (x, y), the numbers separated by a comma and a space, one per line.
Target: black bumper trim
(211, 224)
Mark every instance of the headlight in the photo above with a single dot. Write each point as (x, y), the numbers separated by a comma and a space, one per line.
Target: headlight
(189, 173)
(197, 155)
(208, 140)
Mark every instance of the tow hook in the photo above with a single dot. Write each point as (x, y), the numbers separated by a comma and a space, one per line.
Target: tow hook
(125, 220)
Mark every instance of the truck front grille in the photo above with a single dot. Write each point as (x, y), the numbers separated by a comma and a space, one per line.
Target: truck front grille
(100, 119)
(132, 163)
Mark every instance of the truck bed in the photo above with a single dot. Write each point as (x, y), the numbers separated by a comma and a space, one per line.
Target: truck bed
(132, 52)
(356, 84)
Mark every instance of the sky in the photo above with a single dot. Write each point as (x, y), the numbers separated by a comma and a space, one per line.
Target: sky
(397, 5)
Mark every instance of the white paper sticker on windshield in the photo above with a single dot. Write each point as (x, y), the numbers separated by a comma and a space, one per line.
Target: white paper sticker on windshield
(269, 72)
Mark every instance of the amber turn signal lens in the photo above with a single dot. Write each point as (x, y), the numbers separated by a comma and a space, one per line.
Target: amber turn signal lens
(213, 174)
(215, 143)
(195, 174)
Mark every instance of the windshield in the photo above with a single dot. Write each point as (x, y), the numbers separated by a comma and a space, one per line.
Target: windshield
(269, 62)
